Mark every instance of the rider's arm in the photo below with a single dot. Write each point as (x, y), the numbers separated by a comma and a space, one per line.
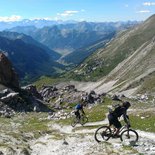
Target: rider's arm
(126, 118)
(82, 111)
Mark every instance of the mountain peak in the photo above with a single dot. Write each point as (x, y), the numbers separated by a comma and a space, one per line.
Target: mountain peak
(8, 77)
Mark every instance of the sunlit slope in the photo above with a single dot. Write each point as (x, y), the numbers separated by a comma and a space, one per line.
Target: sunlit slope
(129, 58)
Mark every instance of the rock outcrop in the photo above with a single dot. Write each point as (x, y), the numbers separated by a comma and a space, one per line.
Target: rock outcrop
(8, 76)
(13, 98)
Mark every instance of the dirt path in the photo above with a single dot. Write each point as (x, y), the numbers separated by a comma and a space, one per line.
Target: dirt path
(81, 142)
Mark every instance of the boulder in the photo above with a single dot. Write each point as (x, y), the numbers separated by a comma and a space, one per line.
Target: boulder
(33, 90)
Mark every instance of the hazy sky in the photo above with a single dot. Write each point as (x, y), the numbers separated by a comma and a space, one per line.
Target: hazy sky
(89, 10)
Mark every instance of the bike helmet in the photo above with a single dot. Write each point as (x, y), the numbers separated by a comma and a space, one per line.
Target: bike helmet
(126, 104)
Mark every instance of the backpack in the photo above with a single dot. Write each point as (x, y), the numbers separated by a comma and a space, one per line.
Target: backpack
(117, 111)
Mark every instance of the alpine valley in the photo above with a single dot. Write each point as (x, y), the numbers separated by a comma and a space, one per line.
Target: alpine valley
(47, 67)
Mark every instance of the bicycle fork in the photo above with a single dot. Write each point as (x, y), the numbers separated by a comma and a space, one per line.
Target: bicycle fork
(128, 135)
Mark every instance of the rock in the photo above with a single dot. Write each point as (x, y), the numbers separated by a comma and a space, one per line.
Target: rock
(69, 87)
(4, 92)
(24, 152)
(65, 142)
(9, 97)
(33, 90)
(10, 151)
(8, 77)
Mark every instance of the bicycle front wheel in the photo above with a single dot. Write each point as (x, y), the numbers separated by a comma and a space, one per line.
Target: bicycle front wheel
(83, 120)
(129, 137)
(102, 134)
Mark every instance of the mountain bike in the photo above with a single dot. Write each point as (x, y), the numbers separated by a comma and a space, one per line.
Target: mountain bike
(82, 120)
(126, 134)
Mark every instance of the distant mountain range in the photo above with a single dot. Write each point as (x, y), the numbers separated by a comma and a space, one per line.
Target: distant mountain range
(66, 38)
(38, 23)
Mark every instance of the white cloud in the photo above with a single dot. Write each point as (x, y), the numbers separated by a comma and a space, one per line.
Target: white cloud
(144, 11)
(38, 18)
(67, 13)
(126, 5)
(11, 18)
(148, 3)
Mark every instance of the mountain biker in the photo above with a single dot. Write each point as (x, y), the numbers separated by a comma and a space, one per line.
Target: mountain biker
(79, 110)
(118, 112)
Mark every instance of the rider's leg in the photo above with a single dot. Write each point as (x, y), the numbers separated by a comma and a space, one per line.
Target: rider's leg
(78, 115)
(118, 126)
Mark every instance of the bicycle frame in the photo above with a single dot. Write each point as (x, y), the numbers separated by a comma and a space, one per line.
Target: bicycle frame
(113, 129)
(122, 128)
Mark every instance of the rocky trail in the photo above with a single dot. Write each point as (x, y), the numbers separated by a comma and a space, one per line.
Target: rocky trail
(80, 141)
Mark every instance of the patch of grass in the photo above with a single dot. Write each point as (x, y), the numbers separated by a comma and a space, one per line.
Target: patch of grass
(27, 123)
(148, 84)
(4, 145)
(14, 135)
(143, 121)
(34, 125)
(129, 148)
(96, 113)
(46, 80)
(66, 121)
(5, 122)
(57, 136)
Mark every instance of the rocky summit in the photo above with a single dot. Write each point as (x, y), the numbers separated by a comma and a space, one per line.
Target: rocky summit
(8, 76)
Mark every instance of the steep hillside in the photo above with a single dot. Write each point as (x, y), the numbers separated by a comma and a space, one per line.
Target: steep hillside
(29, 60)
(29, 40)
(77, 56)
(128, 60)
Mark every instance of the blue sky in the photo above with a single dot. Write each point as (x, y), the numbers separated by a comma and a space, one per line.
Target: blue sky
(89, 10)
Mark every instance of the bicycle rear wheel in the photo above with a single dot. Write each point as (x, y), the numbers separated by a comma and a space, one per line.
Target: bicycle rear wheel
(83, 120)
(102, 134)
(74, 121)
(129, 137)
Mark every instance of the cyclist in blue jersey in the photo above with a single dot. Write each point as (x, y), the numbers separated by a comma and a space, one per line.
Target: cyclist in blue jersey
(79, 110)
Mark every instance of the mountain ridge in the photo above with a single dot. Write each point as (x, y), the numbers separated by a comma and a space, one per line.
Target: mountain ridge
(29, 40)
(29, 61)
